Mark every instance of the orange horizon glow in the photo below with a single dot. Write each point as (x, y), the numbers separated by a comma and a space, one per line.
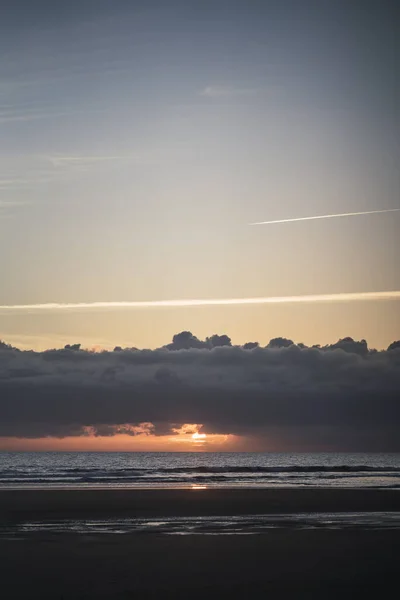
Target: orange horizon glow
(186, 438)
(119, 443)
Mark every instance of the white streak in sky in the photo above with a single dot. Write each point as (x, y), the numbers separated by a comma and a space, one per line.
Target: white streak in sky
(345, 297)
(353, 214)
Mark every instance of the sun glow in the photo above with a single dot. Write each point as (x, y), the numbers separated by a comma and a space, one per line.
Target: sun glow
(199, 437)
(191, 435)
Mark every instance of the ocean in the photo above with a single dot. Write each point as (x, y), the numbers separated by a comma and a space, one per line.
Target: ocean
(195, 469)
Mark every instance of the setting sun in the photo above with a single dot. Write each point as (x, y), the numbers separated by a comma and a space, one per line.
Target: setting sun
(189, 434)
(199, 437)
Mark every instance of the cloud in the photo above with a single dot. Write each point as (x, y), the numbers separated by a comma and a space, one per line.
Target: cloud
(186, 340)
(351, 214)
(344, 395)
(45, 169)
(311, 298)
(7, 183)
(220, 91)
(65, 164)
(22, 172)
(61, 161)
(24, 116)
(280, 343)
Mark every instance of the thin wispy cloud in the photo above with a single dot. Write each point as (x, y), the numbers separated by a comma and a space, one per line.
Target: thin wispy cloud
(68, 161)
(22, 183)
(40, 77)
(10, 203)
(220, 91)
(32, 116)
(9, 114)
(6, 183)
(24, 172)
(352, 214)
(315, 298)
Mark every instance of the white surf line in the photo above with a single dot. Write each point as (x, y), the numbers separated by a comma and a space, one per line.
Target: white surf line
(341, 297)
(352, 214)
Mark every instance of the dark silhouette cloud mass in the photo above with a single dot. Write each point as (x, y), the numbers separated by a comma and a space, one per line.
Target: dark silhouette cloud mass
(343, 396)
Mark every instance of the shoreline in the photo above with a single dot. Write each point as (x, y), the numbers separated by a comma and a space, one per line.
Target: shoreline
(49, 504)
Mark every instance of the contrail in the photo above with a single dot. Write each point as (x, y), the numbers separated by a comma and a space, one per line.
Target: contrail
(352, 214)
(345, 297)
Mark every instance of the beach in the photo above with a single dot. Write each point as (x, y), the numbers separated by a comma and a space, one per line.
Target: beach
(288, 564)
(46, 504)
(284, 562)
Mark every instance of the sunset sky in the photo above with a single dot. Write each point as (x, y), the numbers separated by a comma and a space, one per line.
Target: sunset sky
(139, 143)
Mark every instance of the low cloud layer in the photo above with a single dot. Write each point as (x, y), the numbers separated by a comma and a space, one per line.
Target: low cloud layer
(342, 397)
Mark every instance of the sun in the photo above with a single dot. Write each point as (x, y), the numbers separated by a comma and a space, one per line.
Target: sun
(189, 433)
(199, 437)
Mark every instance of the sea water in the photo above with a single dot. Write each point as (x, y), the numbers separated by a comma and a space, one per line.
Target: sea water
(188, 469)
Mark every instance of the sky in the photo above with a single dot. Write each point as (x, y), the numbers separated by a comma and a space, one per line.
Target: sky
(140, 141)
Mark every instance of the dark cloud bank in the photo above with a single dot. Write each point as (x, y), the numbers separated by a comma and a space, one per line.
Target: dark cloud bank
(342, 397)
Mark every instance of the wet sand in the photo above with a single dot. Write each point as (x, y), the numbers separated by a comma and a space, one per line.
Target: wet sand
(20, 505)
(282, 563)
